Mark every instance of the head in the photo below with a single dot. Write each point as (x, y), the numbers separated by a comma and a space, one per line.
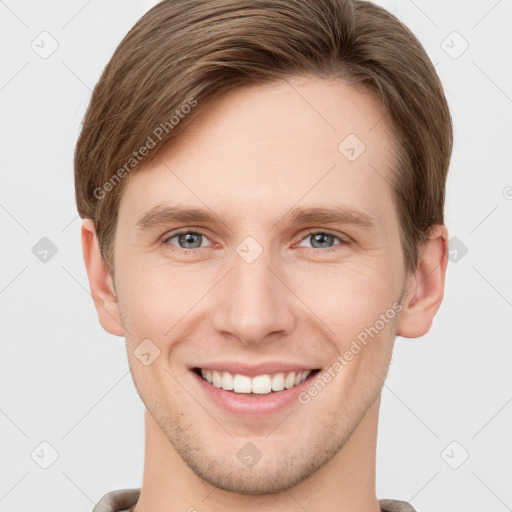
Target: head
(270, 116)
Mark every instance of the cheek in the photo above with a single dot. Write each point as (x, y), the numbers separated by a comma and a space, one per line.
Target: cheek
(154, 300)
(349, 297)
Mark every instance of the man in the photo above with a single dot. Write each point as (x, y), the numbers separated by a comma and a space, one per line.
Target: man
(262, 186)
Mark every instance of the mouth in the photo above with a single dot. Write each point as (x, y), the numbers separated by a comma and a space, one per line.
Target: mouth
(258, 385)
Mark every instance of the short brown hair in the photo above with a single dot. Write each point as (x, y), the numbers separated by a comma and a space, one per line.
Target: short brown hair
(185, 52)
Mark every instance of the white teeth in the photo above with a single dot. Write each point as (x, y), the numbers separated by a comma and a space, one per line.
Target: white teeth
(241, 384)
(216, 379)
(227, 381)
(290, 380)
(278, 382)
(261, 384)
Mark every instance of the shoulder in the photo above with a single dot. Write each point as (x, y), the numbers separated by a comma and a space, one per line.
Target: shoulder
(118, 500)
(388, 505)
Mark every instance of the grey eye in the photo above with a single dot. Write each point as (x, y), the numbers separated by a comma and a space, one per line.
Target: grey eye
(188, 239)
(321, 240)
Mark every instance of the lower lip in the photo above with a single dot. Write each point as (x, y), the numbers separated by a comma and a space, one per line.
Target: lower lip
(253, 406)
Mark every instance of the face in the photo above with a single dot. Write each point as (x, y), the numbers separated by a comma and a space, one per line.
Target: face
(261, 288)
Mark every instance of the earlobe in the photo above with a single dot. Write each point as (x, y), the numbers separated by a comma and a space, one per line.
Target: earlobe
(425, 288)
(100, 281)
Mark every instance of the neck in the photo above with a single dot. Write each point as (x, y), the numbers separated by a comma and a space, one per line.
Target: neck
(346, 483)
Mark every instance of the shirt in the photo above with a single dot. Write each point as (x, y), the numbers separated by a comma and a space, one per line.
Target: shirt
(124, 500)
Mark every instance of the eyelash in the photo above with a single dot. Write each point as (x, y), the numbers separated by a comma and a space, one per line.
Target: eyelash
(311, 233)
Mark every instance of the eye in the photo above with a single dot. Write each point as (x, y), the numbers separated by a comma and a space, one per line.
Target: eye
(187, 239)
(319, 239)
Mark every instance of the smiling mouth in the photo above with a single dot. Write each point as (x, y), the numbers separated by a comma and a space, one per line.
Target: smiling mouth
(259, 385)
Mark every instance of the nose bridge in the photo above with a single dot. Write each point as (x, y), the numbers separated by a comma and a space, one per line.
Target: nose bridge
(253, 301)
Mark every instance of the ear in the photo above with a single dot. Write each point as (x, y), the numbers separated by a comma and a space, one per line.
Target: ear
(425, 288)
(100, 281)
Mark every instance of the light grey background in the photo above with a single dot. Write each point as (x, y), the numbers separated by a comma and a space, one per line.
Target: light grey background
(66, 382)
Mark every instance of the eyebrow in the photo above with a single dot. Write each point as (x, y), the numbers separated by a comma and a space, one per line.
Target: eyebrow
(160, 215)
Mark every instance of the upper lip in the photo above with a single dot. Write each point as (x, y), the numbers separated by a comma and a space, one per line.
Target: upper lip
(252, 370)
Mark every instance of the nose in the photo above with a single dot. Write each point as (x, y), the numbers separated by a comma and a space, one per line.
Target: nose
(253, 302)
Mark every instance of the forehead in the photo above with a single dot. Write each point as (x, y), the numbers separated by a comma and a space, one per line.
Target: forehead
(301, 142)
